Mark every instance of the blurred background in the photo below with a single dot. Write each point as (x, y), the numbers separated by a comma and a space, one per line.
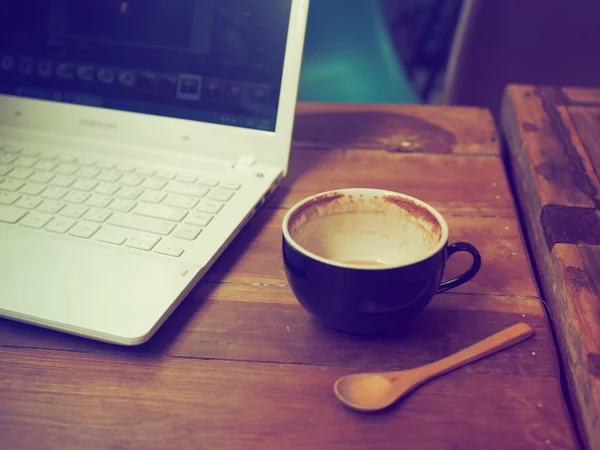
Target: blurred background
(446, 51)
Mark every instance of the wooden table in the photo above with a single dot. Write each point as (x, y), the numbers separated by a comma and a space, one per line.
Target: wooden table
(241, 365)
(554, 147)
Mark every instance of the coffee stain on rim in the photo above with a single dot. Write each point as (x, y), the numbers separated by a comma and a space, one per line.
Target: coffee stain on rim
(320, 200)
(417, 211)
(407, 205)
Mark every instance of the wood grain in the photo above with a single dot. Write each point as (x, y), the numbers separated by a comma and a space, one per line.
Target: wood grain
(582, 95)
(125, 401)
(560, 205)
(467, 185)
(204, 327)
(403, 128)
(255, 256)
(240, 364)
(586, 121)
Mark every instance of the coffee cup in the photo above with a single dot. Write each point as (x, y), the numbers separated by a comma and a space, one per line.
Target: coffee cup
(367, 261)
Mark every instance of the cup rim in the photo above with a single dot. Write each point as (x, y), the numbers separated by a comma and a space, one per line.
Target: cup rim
(440, 245)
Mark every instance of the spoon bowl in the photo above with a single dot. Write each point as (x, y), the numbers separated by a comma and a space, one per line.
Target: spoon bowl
(378, 390)
(366, 391)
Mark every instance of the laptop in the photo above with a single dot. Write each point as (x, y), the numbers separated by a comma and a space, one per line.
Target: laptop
(137, 138)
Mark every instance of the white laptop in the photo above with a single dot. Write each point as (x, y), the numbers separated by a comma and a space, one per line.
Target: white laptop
(137, 137)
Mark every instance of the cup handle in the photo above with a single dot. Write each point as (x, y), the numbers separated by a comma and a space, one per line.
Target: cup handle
(469, 274)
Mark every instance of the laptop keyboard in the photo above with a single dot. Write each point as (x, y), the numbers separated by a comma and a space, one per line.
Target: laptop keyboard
(122, 205)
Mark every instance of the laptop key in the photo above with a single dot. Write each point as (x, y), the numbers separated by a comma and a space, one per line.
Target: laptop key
(199, 219)
(84, 230)
(10, 214)
(131, 180)
(7, 158)
(187, 232)
(10, 149)
(36, 220)
(169, 250)
(85, 185)
(105, 165)
(106, 189)
(160, 212)
(61, 225)
(86, 162)
(46, 165)
(77, 197)
(154, 184)
(110, 177)
(97, 215)
(87, 172)
(54, 193)
(208, 182)
(25, 161)
(8, 198)
(186, 189)
(166, 175)
(62, 181)
(209, 206)
(145, 172)
(67, 169)
(142, 244)
(32, 189)
(41, 177)
(187, 178)
(220, 195)
(146, 224)
(28, 202)
(130, 193)
(181, 201)
(51, 207)
(232, 186)
(99, 201)
(11, 185)
(21, 174)
(30, 152)
(5, 169)
(122, 205)
(113, 239)
(125, 168)
(74, 211)
(153, 197)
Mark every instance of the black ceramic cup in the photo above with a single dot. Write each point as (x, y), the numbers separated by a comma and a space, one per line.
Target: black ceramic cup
(367, 261)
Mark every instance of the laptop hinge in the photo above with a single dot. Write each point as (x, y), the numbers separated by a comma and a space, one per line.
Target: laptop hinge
(244, 162)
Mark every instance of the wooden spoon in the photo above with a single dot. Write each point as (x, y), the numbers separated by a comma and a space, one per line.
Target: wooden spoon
(375, 391)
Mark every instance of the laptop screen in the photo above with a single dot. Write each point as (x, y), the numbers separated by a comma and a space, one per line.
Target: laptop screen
(217, 61)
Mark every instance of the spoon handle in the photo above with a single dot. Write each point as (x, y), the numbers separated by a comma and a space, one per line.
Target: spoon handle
(488, 346)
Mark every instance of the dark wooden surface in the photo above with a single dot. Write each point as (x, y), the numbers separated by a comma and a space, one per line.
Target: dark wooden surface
(241, 365)
(553, 140)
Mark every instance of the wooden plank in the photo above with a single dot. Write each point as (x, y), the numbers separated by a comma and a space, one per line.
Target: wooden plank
(582, 95)
(255, 256)
(562, 221)
(578, 311)
(403, 128)
(467, 185)
(122, 401)
(562, 172)
(586, 121)
(232, 329)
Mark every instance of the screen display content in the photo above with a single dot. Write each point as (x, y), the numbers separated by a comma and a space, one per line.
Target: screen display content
(217, 61)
